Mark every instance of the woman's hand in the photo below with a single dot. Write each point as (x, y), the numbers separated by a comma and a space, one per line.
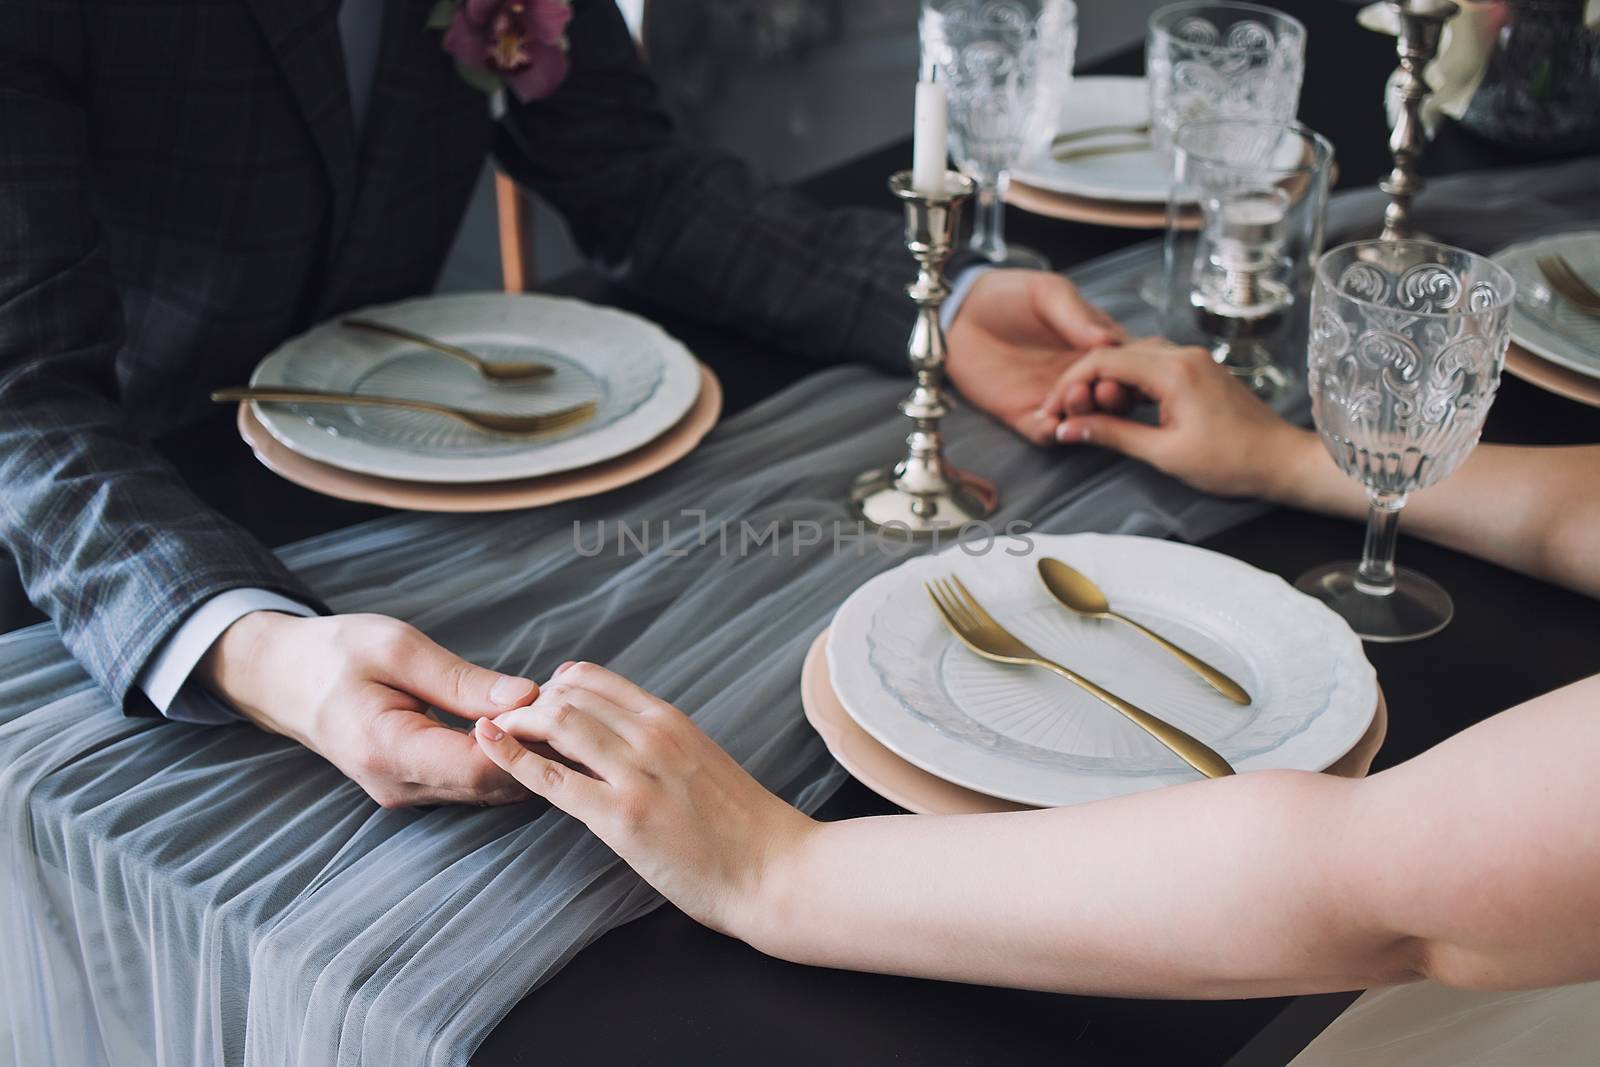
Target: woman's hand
(656, 789)
(1016, 333)
(1212, 433)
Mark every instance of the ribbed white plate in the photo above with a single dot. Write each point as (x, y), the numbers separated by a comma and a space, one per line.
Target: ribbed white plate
(1139, 177)
(1023, 734)
(641, 380)
(1545, 323)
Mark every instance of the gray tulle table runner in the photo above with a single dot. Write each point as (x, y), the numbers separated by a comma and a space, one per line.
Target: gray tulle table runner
(180, 895)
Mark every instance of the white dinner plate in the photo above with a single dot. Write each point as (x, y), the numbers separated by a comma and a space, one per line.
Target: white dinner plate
(1542, 321)
(642, 381)
(1024, 734)
(1138, 177)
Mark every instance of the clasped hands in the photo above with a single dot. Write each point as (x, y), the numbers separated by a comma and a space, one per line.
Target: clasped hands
(1026, 347)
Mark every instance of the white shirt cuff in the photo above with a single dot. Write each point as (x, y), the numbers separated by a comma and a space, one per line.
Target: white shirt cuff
(960, 291)
(165, 678)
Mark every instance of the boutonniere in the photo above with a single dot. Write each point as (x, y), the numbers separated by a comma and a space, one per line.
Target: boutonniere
(516, 44)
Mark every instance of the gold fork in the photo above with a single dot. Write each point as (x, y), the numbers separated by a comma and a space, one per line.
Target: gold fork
(1570, 284)
(976, 628)
(1064, 149)
(1140, 130)
(1067, 155)
(493, 422)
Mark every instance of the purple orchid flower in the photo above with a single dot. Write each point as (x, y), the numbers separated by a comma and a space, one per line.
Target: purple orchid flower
(522, 41)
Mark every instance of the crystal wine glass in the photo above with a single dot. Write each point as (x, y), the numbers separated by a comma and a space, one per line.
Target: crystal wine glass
(1221, 60)
(1006, 65)
(1407, 342)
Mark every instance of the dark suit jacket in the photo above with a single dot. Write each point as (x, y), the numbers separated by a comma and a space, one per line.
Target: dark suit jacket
(182, 188)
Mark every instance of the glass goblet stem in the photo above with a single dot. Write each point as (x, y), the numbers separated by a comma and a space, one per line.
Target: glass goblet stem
(1375, 576)
(989, 223)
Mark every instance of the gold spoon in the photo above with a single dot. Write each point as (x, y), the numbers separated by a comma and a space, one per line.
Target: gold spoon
(1075, 592)
(494, 372)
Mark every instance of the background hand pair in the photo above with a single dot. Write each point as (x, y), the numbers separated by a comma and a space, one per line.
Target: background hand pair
(1028, 349)
(1016, 334)
(1210, 430)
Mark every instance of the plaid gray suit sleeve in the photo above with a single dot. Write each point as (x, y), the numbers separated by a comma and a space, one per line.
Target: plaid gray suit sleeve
(698, 231)
(108, 540)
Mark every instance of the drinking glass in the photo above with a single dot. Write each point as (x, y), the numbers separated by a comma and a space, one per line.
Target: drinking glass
(1221, 60)
(1245, 222)
(1005, 65)
(1407, 342)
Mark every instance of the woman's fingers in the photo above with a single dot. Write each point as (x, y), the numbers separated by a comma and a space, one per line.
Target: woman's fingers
(626, 724)
(1114, 432)
(572, 791)
(578, 733)
(609, 684)
(1146, 367)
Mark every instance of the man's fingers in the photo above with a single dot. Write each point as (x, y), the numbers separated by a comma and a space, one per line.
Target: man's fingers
(1075, 398)
(432, 764)
(1079, 322)
(1069, 399)
(409, 661)
(1113, 397)
(1111, 431)
(572, 791)
(1119, 335)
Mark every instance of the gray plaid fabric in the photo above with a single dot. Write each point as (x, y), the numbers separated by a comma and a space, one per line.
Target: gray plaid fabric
(182, 188)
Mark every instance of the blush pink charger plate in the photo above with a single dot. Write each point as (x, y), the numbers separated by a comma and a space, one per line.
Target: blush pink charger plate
(914, 789)
(1552, 379)
(491, 496)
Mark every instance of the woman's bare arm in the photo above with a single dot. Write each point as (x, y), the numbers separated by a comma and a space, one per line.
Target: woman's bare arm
(1535, 510)
(1477, 863)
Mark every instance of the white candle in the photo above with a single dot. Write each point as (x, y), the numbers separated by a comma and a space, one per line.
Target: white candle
(928, 140)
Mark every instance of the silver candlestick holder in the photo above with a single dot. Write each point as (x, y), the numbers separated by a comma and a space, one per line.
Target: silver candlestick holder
(922, 494)
(1238, 301)
(1421, 25)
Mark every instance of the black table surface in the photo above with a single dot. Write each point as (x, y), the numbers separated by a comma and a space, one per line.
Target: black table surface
(663, 990)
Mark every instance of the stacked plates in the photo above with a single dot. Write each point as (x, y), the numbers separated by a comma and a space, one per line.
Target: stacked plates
(1555, 346)
(653, 402)
(1125, 186)
(927, 723)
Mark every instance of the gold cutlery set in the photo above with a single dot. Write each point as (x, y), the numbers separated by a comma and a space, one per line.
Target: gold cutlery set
(489, 422)
(975, 628)
(1099, 165)
(1064, 147)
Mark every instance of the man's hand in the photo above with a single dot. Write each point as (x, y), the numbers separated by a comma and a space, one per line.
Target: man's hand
(1012, 339)
(353, 688)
